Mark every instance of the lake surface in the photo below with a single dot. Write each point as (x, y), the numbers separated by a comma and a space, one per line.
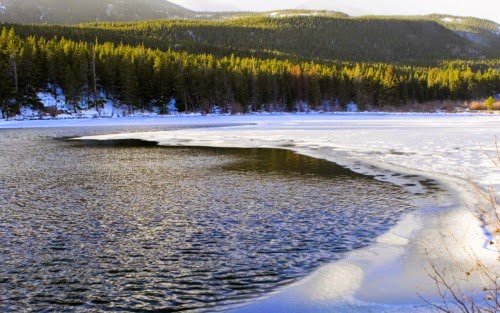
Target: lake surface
(131, 226)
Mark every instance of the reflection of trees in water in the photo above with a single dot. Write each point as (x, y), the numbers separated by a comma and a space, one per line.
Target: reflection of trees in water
(286, 162)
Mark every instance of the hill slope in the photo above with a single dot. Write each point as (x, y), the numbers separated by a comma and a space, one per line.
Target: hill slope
(299, 34)
(483, 32)
(76, 11)
(294, 35)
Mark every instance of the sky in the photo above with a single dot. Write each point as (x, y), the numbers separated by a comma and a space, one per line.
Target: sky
(488, 9)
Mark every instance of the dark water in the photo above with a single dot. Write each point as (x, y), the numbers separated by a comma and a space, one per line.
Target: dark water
(129, 226)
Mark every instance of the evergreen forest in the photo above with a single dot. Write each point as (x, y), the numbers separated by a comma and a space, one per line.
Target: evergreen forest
(250, 63)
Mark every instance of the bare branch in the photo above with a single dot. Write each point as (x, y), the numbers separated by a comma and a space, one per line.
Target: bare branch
(457, 293)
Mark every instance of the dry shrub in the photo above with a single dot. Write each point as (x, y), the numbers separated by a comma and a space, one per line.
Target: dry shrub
(431, 106)
(476, 105)
(449, 106)
(480, 106)
(414, 107)
(51, 110)
(235, 108)
(390, 108)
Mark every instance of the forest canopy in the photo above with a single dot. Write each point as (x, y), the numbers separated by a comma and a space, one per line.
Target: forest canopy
(144, 65)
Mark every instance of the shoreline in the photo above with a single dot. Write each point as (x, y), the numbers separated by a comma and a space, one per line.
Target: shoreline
(141, 118)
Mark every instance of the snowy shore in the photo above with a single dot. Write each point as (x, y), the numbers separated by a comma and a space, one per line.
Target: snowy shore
(386, 276)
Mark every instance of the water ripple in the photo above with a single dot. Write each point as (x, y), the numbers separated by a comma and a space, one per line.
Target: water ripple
(127, 226)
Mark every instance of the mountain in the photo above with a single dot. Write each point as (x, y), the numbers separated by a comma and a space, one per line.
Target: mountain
(77, 11)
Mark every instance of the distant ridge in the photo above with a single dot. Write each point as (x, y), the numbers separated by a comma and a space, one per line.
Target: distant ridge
(337, 6)
(80, 11)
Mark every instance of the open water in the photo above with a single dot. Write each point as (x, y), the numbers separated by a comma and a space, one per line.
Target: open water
(131, 226)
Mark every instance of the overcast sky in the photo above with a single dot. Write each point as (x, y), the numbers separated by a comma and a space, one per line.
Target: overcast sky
(489, 9)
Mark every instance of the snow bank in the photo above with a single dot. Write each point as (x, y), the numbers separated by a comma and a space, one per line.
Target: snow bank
(60, 109)
(384, 277)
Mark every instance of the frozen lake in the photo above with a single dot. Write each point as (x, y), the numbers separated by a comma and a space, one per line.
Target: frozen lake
(427, 158)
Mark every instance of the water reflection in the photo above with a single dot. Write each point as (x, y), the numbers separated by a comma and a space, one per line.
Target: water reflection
(123, 226)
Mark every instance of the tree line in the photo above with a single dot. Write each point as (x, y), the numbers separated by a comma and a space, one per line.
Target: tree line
(142, 78)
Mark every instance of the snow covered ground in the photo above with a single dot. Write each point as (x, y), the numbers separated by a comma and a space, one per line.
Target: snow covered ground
(57, 108)
(387, 276)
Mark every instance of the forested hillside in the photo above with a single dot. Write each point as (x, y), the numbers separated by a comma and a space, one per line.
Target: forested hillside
(77, 11)
(483, 32)
(297, 37)
(144, 79)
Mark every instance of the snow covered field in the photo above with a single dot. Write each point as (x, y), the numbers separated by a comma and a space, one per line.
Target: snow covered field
(386, 276)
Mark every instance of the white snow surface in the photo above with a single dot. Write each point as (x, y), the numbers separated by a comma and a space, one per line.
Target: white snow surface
(451, 20)
(386, 276)
(59, 102)
(288, 14)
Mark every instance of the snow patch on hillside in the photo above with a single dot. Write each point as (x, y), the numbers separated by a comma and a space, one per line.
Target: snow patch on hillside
(49, 100)
(65, 110)
(56, 107)
(452, 20)
(43, 15)
(285, 14)
(109, 9)
(473, 37)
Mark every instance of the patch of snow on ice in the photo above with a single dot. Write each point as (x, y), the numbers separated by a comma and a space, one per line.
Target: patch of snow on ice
(319, 287)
